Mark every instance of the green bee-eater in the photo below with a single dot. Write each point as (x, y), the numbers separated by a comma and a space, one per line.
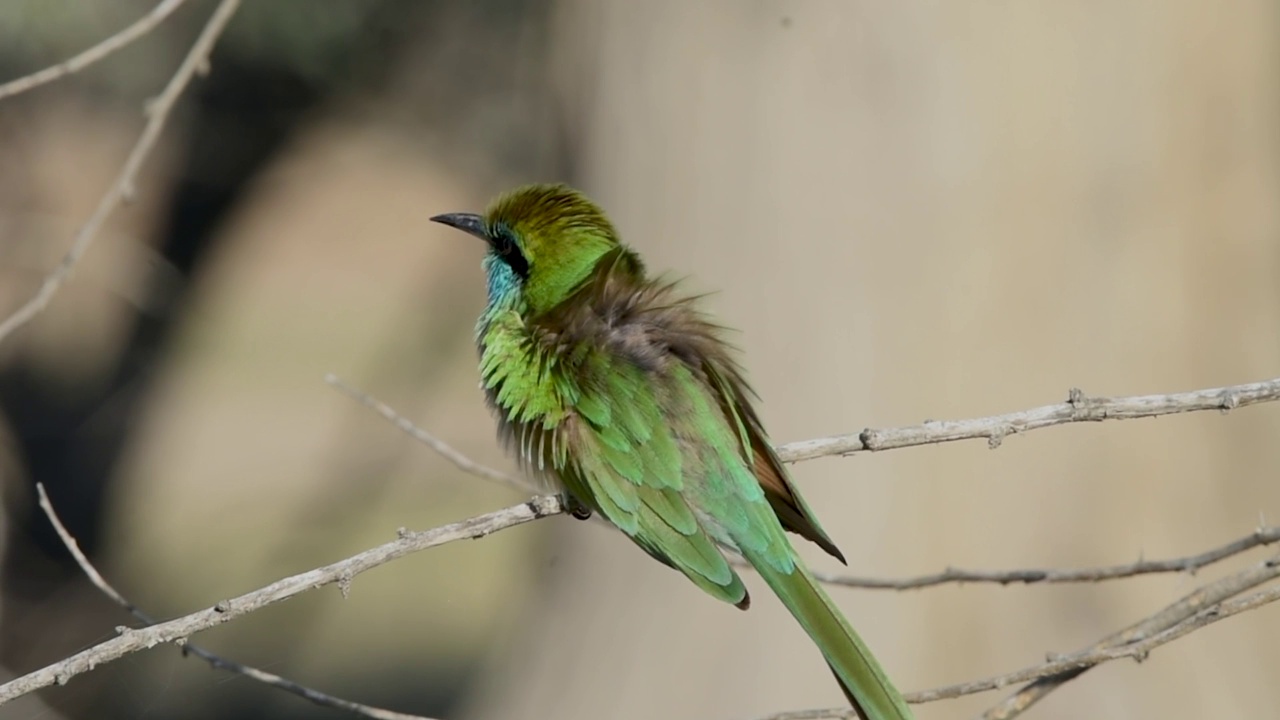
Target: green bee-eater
(615, 388)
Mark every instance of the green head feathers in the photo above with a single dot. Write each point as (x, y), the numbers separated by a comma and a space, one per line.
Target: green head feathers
(544, 241)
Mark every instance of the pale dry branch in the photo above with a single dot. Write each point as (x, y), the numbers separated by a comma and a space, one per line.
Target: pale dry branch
(341, 573)
(1265, 535)
(1262, 536)
(1200, 608)
(1205, 606)
(215, 661)
(996, 428)
(1202, 600)
(1169, 624)
(122, 187)
(442, 448)
(125, 37)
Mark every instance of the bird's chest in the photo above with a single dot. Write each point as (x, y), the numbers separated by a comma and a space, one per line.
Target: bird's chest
(526, 385)
(526, 380)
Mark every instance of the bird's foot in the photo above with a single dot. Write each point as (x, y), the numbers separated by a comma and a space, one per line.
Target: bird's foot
(575, 507)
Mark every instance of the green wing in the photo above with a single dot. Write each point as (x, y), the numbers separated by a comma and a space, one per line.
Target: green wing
(653, 451)
(671, 445)
(625, 456)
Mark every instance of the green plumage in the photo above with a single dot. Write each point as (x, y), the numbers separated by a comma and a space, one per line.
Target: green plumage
(615, 388)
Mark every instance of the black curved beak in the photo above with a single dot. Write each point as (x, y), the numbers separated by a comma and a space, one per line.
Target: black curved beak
(466, 222)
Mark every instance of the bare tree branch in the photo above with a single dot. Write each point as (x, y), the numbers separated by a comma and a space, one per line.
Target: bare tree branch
(1160, 624)
(1265, 535)
(216, 661)
(1202, 607)
(996, 428)
(442, 448)
(123, 187)
(140, 27)
(1205, 606)
(1170, 623)
(342, 572)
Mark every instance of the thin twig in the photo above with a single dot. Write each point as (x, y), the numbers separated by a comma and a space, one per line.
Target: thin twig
(996, 428)
(123, 187)
(341, 573)
(1206, 596)
(142, 26)
(1199, 609)
(442, 448)
(216, 661)
(1262, 536)
(1202, 607)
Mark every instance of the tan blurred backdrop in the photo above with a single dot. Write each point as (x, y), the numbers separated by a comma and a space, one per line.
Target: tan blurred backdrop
(910, 210)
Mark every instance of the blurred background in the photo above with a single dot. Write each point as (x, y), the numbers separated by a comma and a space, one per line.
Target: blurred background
(910, 210)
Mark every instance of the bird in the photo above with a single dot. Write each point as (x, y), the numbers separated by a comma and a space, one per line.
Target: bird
(615, 389)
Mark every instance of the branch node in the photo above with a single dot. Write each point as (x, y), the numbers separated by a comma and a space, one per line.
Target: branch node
(403, 533)
(1085, 409)
(870, 439)
(996, 437)
(123, 629)
(344, 585)
(222, 606)
(545, 505)
(1229, 401)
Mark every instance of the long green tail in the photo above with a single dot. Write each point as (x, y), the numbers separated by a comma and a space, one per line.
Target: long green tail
(863, 681)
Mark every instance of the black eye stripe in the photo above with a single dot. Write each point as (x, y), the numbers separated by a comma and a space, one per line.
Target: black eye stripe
(505, 246)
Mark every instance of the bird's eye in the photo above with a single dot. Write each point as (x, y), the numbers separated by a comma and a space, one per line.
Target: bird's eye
(506, 248)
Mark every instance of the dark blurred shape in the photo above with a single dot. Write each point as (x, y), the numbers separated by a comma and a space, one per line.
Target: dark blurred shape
(281, 64)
